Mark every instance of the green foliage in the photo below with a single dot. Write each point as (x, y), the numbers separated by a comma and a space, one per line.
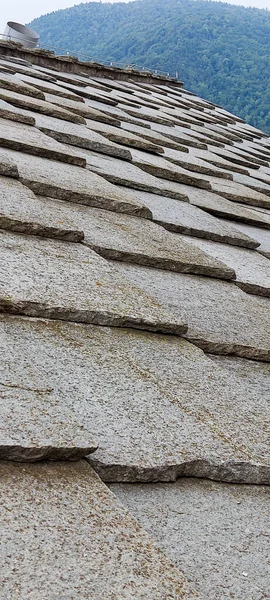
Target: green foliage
(221, 51)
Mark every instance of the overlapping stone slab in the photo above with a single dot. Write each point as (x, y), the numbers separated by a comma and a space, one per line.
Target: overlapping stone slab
(120, 136)
(15, 84)
(116, 113)
(153, 136)
(65, 535)
(254, 375)
(222, 319)
(67, 182)
(40, 106)
(50, 88)
(255, 184)
(160, 167)
(181, 136)
(128, 175)
(252, 269)
(261, 235)
(221, 207)
(194, 164)
(182, 217)
(157, 405)
(78, 108)
(79, 135)
(59, 280)
(25, 138)
(216, 533)
(12, 113)
(23, 212)
(236, 192)
(210, 158)
(8, 166)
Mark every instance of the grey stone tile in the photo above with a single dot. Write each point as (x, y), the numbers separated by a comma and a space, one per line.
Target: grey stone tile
(59, 280)
(261, 235)
(36, 424)
(254, 184)
(14, 83)
(8, 166)
(254, 375)
(68, 182)
(192, 163)
(40, 106)
(79, 108)
(23, 212)
(25, 138)
(160, 167)
(157, 405)
(153, 136)
(50, 88)
(66, 536)
(216, 533)
(221, 207)
(120, 136)
(81, 136)
(252, 269)
(222, 319)
(181, 136)
(118, 237)
(182, 217)
(12, 113)
(116, 113)
(131, 176)
(235, 156)
(209, 157)
(236, 192)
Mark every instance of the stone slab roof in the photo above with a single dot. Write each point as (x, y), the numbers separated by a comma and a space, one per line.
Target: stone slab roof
(135, 337)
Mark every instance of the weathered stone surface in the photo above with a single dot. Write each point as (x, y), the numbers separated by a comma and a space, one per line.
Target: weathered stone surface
(157, 405)
(40, 106)
(261, 235)
(68, 182)
(160, 167)
(118, 237)
(116, 113)
(220, 207)
(181, 136)
(7, 111)
(14, 83)
(236, 192)
(25, 138)
(65, 535)
(192, 163)
(50, 88)
(128, 175)
(209, 157)
(8, 166)
(23, 212)
(182, 217)
(253, 183)
(222, 319)
(120, 136)
(216, 533)
(60, 280)
(237, 157)
(79, 135)
(153, 136)
(252, 269)
(78, 108)
(254, 375)
(36, 424)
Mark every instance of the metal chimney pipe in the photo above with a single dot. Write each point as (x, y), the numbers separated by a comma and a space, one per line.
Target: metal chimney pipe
(16, 32)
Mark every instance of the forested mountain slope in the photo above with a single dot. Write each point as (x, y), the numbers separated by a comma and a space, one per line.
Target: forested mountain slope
(221, 51)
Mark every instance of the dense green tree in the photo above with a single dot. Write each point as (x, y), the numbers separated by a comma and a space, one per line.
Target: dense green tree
(221, 51)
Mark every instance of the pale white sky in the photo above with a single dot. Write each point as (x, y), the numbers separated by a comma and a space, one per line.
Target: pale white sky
(23, 11)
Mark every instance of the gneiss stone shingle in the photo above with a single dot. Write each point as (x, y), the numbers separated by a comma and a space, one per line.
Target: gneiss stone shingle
(59, 280)
(67, 182)
(188, 219)
(252, 269)
(222, 319)
(24, 138)
(12, 113)
(216, 533)
(23, 212)
(157, 406)
(66, 536)
(40, 106)
(79, 135)
(121, 136)
(8, 166)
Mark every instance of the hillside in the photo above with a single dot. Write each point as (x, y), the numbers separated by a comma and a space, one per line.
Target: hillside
(221, 51)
